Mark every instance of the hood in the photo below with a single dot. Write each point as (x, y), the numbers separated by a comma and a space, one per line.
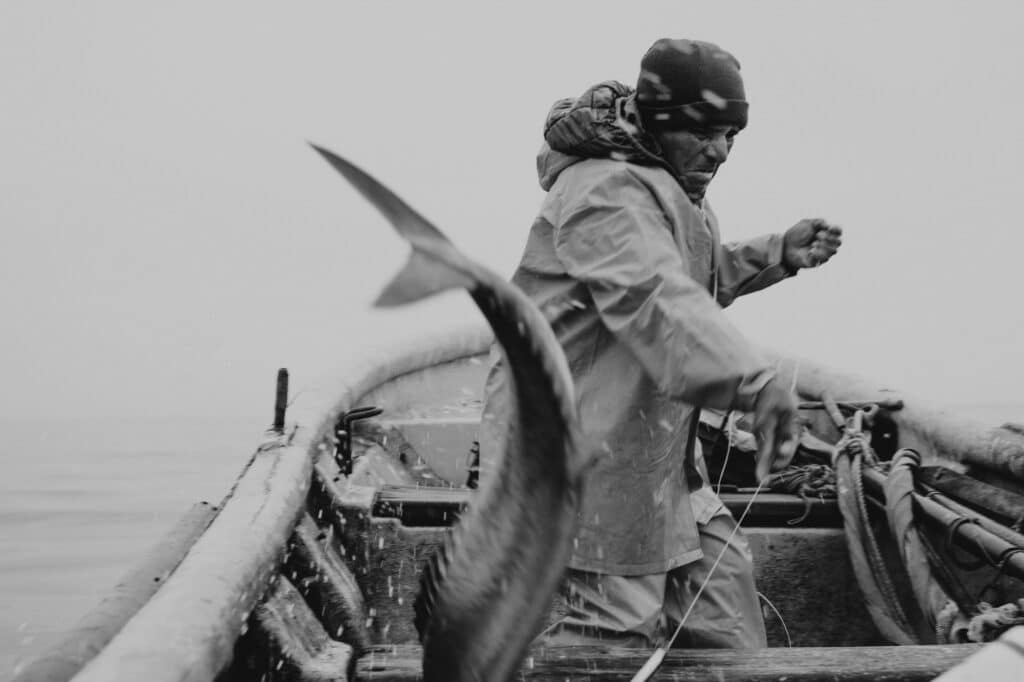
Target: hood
(602, 123)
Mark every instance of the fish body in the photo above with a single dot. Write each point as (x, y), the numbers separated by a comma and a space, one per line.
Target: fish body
(485, 593)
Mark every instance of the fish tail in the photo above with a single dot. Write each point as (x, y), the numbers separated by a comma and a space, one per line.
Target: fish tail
(434, 266)
(423, 275)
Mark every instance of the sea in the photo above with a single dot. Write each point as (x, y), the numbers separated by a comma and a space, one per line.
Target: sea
(82, 500)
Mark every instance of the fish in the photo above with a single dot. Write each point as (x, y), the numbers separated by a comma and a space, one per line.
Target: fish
(485, 593)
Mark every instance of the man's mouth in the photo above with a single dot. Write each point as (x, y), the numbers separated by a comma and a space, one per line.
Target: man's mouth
(700, 176)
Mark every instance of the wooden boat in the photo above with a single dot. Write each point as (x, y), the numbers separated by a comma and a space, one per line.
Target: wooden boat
(307, 570)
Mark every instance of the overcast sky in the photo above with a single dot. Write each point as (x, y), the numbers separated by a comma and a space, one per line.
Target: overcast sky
(169, 240)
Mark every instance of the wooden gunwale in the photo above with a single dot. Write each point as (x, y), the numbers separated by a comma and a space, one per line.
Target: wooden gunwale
(188, 629)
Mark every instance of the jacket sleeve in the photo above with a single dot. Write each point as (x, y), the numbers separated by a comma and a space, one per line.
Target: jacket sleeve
(748, 266)
(617, 241)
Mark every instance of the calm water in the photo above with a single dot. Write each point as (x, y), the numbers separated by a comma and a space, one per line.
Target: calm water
(81, 501)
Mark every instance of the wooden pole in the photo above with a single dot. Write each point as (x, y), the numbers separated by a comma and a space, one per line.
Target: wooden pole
(281, 400)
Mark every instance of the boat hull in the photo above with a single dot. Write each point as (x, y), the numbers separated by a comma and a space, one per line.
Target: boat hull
(309, 571)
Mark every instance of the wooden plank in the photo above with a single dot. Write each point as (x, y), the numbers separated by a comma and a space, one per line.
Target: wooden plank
(327, 584)
(65, 658)
(593, 664)
(286, 643)
(187, 631)
(435, 506)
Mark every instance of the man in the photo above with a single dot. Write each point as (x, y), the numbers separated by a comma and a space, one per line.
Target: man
(625, 260)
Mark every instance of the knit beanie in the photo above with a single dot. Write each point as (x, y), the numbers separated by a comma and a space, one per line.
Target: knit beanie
(687, 83)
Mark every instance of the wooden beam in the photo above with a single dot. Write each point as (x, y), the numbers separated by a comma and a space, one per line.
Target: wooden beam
(809, 664)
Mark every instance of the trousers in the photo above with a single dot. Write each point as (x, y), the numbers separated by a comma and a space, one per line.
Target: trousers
(644, 610)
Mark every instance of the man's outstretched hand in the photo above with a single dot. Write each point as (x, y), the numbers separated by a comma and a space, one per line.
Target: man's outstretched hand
(776, 428)
(810, 243)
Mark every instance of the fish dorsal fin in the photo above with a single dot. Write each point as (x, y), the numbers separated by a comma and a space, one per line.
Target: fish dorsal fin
(430, 584)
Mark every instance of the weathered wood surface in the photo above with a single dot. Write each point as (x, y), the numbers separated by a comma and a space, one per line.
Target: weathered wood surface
(420, 506)
(807, 575)
(598, 664)
(188, 629)
(286, 643)
(65, 658)
(328, 585)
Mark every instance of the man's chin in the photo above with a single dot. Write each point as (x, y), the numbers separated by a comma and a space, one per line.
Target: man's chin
(696, 192)
(696, 184)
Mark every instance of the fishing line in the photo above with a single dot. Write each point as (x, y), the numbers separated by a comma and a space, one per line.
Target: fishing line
(727, 427)
(789, 640)
(656, 658)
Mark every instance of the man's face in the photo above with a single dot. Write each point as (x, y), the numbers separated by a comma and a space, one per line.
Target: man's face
(696, 154)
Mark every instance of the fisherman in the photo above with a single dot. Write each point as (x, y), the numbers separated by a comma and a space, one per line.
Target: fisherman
(626, 261)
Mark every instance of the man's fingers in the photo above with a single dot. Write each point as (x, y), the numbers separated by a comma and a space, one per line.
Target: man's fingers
(787, 435)
(824, 246)
(765, 449)
(828, 238)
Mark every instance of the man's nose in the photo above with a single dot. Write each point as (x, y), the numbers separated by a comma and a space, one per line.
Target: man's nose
(718, 148)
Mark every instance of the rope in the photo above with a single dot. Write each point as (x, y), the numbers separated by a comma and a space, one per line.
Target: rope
(809, 481)
(656, 658)
(869, 568)
(724, 428)
(987, 625)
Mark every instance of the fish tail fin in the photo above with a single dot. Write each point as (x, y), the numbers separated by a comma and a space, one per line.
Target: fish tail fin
(435, 264)
(423, 275)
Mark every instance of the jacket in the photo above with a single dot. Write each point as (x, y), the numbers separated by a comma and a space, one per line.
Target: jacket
(632, 275)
